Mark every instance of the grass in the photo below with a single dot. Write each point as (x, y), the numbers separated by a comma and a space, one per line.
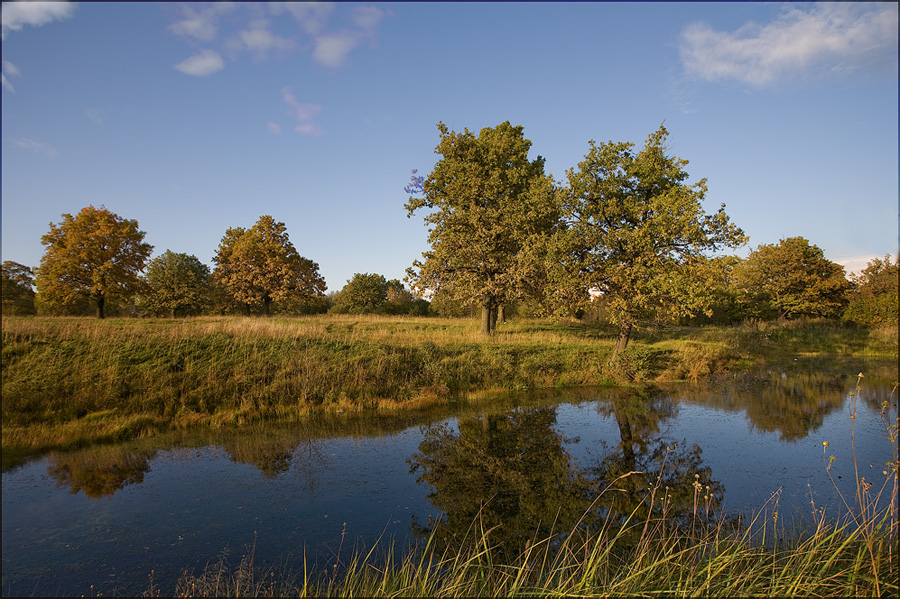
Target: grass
(71, 382)
(853, 556)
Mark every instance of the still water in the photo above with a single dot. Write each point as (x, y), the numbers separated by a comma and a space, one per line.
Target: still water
(103, 519)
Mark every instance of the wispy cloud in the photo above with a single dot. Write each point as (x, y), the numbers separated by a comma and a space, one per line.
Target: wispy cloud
(263, 43)
(9, 70)
(15, 15)
(201, 23)
(303, 112)
(95, 115)
(274, 128)
(260, 30)
(35, 147)
(203, 64)
(331, 50)
(311, 16)
(832, 36)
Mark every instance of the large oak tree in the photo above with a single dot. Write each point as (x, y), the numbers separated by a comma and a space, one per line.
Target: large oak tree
(794, 279)
(634, 230)
(95, 255)
(487, 203)
(259, 265)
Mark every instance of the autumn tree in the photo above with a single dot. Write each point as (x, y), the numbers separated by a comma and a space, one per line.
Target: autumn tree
(874, 301)
(18, 289)
(259, 265)
(487, 203)
(794, 279)
(175, 282)
(634, 231)
(95, 255)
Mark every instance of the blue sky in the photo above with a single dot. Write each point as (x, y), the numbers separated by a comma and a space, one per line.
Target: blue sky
(192, 118)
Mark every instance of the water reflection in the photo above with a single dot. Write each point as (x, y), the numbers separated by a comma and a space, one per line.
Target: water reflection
(508, 471)
(512, 475)
(644, 460)
(99, 472)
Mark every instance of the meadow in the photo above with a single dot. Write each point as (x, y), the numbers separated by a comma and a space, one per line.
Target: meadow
(71, 382)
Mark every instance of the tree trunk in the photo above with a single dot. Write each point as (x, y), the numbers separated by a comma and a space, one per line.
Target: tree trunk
(486, 318)
(621, 341)
(494, 315)
(101, 300)
(246, 309)
(173, 313)
(266, 302)
(501, 314)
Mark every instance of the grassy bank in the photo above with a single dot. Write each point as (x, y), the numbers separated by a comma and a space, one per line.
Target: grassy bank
(73, 381)
(834, 560)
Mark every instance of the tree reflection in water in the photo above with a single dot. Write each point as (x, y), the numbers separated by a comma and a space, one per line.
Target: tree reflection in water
(511, 475)
(101, 472)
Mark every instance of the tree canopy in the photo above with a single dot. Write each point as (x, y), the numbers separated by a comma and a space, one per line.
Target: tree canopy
(260, 265)
(175, 282)
(487, 201)
(95, 255)
(794, 279)
(874, 301)
(635, 231)
(18, 289)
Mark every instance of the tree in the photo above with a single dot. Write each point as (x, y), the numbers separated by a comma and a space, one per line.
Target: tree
(634, 231)
(874, 301)
(96, 255)
(18, 289)
(363, 294)
(260, 265)
(489, 202)
(175, 282)
(794, 279)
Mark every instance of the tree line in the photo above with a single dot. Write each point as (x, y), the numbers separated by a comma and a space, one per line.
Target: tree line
(624, 237)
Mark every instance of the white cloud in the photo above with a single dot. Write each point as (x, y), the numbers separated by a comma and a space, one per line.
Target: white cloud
(855, 264)
(274, 128)
(258, 39)
(332, 50)
(839, 36)
(95, 115)
(256, 28)
(16, 15)
(303, 112)
(311, 16)
(36, 147)
(12, 71)
(367, 18)
(203, 64)
(201, 24)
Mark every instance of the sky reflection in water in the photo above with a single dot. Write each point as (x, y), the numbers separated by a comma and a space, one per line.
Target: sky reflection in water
(108, 516)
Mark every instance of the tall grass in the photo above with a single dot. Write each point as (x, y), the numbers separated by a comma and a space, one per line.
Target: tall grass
(69, 382)
(853, 556)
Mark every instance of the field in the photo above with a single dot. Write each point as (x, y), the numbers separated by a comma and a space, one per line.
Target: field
(69, 382)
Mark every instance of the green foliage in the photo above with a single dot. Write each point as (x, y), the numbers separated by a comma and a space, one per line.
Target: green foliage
(487, 202)
(18, 289)
(94, 256)
(373, 294)
(791, 279)
(175, 282)
(874, 301)
(634, 230)
(363, 294)
(258, 266)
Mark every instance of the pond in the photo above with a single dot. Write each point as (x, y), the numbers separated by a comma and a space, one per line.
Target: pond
(104, 519)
